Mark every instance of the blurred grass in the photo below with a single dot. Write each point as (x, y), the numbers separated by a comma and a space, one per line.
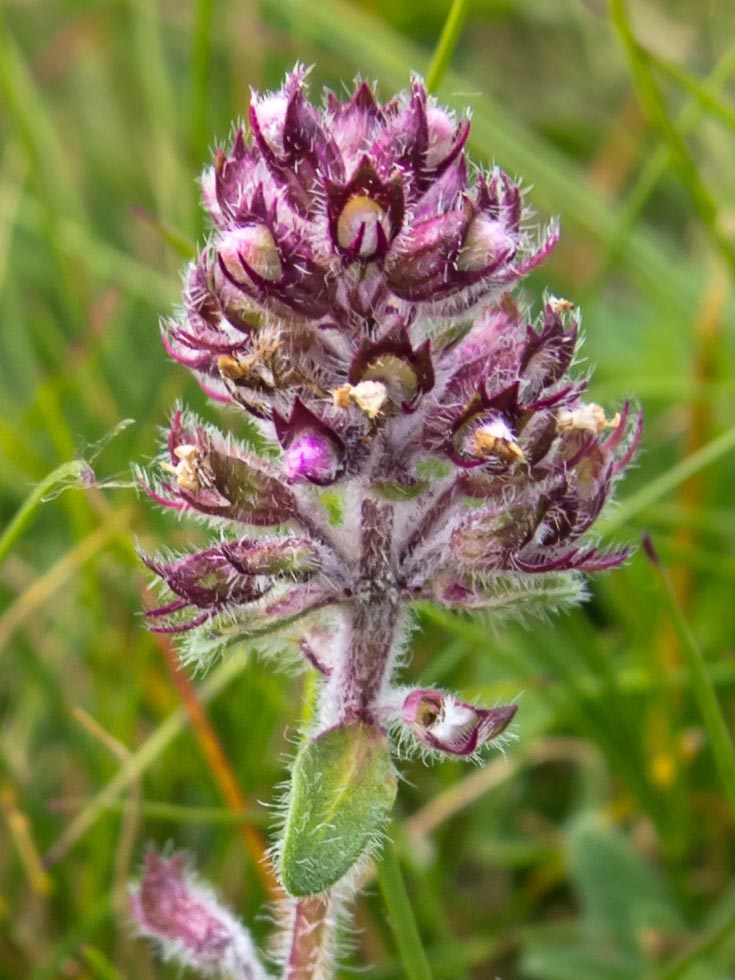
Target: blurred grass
(603, 846)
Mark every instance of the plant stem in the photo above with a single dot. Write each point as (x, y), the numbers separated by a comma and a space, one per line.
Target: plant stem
(656, 165)
(312, 940)
(362, 666)
(401, 917)
(447, 43)
(201, 56)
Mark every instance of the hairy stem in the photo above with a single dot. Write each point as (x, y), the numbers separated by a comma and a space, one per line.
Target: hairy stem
(350, 692)
(368, 660)
(311, 947)
(365, 662)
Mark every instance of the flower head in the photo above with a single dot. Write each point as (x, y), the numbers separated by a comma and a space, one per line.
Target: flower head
(183, 916)
(354, 300)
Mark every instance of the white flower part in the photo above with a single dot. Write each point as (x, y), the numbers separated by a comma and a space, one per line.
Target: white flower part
(452, 722)
(588, 417)
(271, 113)
(370, 396)
(190, 472)
(558, 304)
(362, 212)
(495, 438)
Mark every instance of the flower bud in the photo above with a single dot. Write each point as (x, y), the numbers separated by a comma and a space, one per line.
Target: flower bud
(270, 115)
(442, 129)
(363, 227)
(250, 249)
(312, 457)
(487, 244)
(313, 452)
(173, 908)
(451, 726)
(392, 369)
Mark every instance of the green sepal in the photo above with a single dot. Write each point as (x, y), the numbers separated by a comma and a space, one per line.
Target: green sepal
(391, 491)
(342, 792)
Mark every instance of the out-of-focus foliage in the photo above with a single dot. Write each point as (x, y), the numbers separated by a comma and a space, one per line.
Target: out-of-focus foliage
(601, 845)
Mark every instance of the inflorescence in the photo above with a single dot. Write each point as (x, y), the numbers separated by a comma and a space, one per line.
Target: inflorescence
(427, 438)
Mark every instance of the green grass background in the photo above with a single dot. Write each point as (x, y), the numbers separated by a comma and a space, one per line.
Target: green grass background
(601, 846)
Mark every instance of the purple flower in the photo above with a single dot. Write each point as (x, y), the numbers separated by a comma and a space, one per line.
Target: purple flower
(183, 916)
(354, 301)
(426, 438)
(452, 727)
(430, 440)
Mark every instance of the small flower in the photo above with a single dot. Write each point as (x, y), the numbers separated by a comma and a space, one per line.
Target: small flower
(184, 917)
(585, 418)
(312, 451)
(250, 253)
(369, 396)
(311, 456)
(452, 727)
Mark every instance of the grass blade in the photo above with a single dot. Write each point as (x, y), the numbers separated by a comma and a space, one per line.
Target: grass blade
(447, 43)
(668, 481)
(719, 736)
(76, 473)
(401, 916)
(655, 107)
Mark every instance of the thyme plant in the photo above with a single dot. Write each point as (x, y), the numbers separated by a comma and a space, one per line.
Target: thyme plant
(428, 439)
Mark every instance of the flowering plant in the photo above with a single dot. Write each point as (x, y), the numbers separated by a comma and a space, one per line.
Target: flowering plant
(425, 441)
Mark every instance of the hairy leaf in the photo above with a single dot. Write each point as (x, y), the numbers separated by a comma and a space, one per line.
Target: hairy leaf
(343, 789)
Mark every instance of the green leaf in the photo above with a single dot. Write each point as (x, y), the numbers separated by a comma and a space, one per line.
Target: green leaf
(342, 793)
(559, 961)
(621, 895)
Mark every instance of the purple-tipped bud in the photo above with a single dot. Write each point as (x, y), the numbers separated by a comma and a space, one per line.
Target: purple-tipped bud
(313, 453)
(405, 373)
(486, 246)
(442, 134)
(362, 227)
(269, 112)
(184, 917)
(312, 457)
(250, 249)
(451, 726)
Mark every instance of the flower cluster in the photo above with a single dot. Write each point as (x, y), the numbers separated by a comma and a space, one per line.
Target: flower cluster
(354, 300)
(187, 922)
(426, 439)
